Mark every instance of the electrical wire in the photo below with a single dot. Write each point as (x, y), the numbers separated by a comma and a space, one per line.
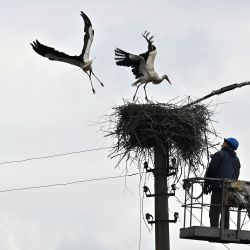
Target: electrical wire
(66, 183)
(88, 180)
(54, 155)
(74, 182)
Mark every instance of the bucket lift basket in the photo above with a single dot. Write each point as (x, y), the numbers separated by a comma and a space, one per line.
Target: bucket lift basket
(235, 195)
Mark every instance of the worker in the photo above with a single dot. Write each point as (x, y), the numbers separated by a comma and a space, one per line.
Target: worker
(224, 164)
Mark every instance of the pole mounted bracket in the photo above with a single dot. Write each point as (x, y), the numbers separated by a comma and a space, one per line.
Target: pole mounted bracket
(173, 165)
(147, 168)
(148, 193)
(158, 172)
(150, 219)
(164, 172)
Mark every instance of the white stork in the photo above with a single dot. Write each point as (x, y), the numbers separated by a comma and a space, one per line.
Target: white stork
(142, 65)
(81, 61)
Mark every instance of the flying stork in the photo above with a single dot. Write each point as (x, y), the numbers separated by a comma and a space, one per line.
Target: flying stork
(81, 61)
(142, 65)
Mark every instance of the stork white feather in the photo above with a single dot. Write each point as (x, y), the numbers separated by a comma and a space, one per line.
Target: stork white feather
(83, 61)
(142, 65)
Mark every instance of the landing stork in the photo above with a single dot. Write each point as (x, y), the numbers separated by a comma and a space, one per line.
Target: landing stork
(81, 61)
(142, 65)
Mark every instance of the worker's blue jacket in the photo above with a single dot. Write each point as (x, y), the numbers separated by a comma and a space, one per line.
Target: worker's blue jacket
(224, 164)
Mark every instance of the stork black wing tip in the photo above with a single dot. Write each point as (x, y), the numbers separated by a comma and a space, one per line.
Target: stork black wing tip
(34, 44)
(85, 18)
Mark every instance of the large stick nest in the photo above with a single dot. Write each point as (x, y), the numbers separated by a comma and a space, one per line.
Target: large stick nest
(182, 130)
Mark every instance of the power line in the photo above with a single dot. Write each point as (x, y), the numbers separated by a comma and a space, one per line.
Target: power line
(66, 183)
(55, 155)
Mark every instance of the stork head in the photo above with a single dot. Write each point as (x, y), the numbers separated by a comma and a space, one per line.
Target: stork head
(166, 78)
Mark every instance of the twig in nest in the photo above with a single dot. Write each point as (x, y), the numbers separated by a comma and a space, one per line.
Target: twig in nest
(180, 129)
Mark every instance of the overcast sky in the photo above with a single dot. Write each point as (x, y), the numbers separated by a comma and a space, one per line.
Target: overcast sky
(48, 108)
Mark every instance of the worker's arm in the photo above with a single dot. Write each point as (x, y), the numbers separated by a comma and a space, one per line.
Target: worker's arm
(238, 170)
(213, 165)
(211, 172)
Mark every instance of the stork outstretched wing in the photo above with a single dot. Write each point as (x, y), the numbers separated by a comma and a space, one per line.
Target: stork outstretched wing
(150, 55)
(53, 54)
(56, 55)
(137, 63)
(88, 37)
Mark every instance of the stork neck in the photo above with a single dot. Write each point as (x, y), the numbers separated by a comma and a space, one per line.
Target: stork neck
(159, 80)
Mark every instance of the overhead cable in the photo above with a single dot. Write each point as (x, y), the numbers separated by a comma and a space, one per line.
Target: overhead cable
(54, 155)
(66, 183)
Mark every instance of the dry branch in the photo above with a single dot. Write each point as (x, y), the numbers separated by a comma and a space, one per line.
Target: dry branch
(183, 131)
(219, 92)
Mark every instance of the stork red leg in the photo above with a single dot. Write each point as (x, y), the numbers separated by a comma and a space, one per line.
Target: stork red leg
(89, 74)
(146, 97)
(136, 91)
(97, 78)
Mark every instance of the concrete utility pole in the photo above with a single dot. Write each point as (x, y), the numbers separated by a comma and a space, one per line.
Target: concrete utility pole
(161, 172)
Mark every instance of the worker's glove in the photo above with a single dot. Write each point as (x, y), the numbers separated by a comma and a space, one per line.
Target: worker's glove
(206, 188)
(186, 185)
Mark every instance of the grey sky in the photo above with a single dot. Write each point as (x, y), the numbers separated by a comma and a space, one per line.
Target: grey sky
(48, 108)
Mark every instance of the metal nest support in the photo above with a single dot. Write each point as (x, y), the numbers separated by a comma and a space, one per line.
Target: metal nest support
(235, 196)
